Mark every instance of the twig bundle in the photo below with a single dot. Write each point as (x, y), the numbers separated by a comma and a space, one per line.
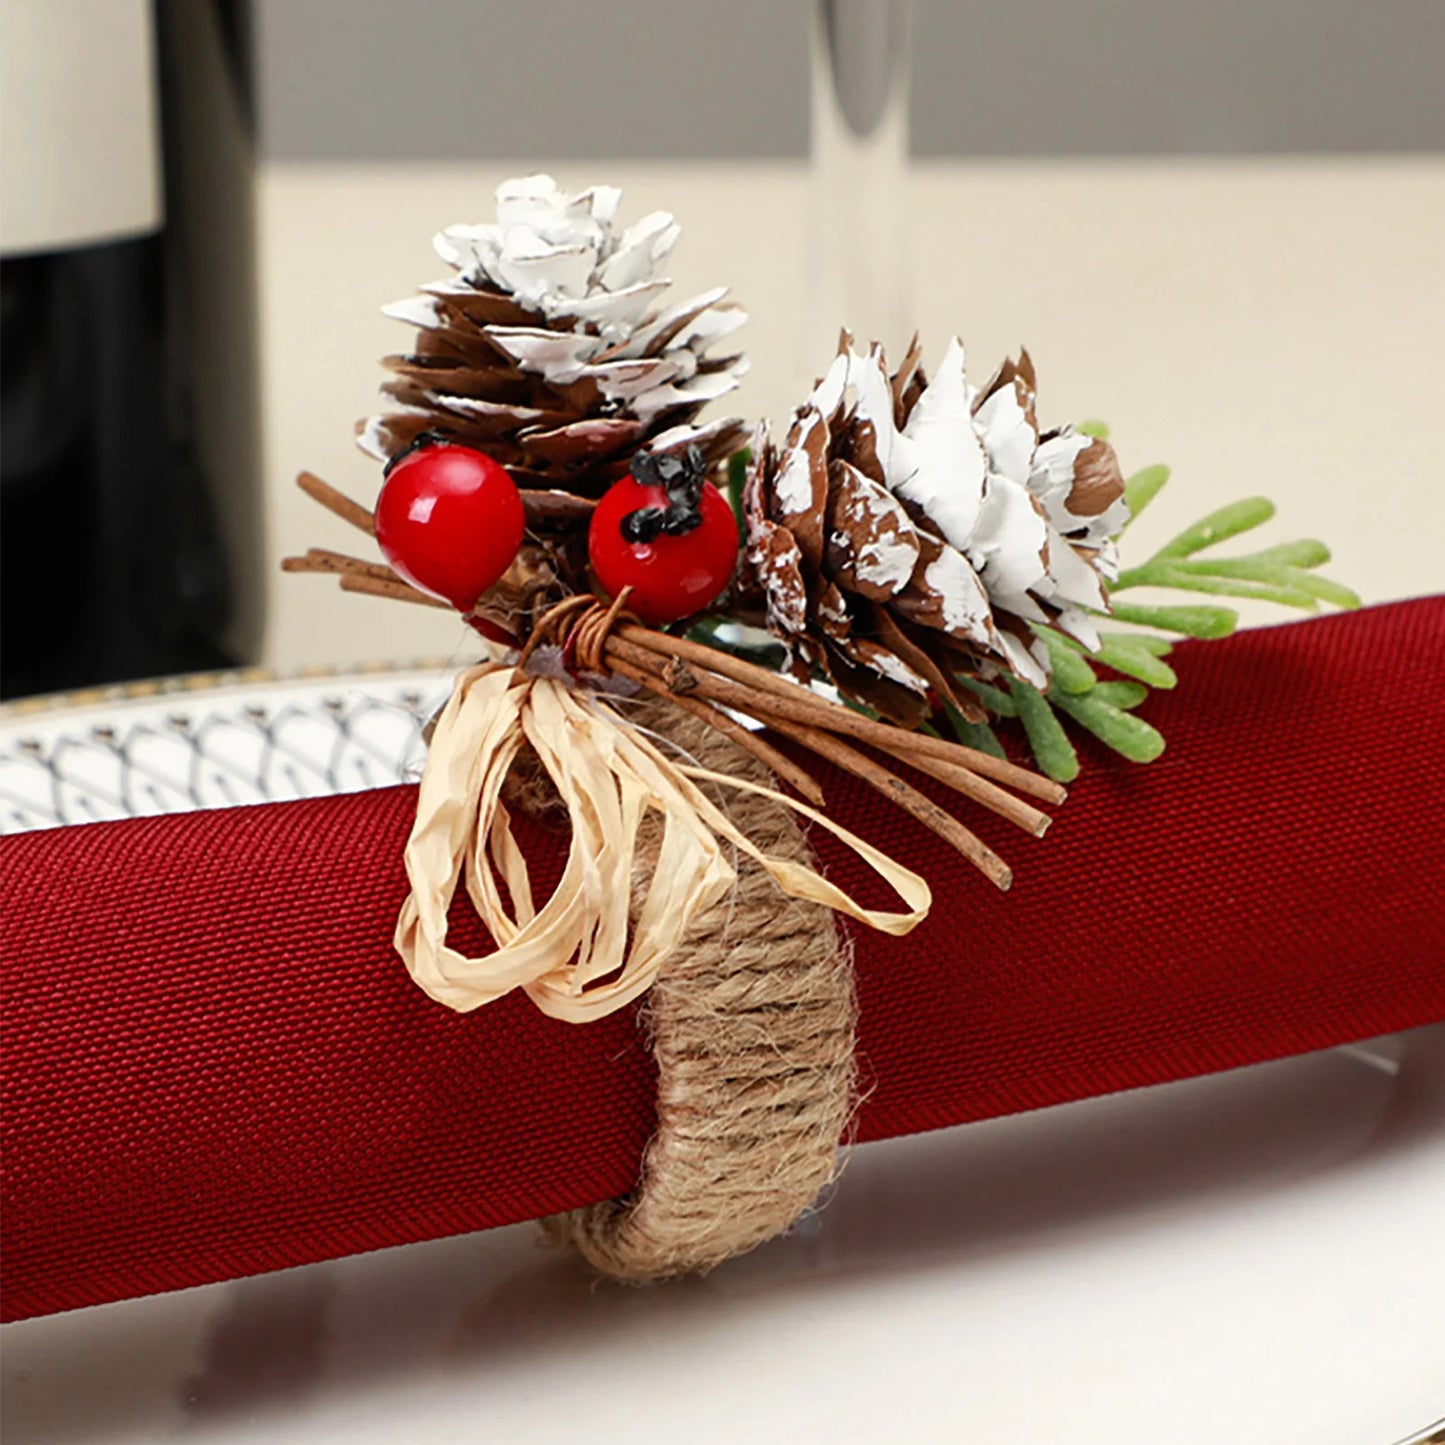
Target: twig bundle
(691, 674)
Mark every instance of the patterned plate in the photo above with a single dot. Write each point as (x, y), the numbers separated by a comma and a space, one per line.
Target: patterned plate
(210, 742)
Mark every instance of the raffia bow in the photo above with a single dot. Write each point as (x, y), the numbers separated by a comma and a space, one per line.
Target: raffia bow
(576, 956)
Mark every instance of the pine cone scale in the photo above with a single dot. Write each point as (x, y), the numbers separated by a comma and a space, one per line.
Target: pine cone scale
(581, 442)
(478, 308)
(873, 546)
(801, 492)
(1098, 481)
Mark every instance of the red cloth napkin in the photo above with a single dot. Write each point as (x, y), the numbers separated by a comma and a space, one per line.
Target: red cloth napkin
(215, 1065)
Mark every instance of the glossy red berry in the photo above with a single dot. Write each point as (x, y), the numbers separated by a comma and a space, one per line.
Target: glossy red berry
(449, 519)
(668, 535)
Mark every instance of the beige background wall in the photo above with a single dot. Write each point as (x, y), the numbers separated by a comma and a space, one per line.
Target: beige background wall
(1263, 325)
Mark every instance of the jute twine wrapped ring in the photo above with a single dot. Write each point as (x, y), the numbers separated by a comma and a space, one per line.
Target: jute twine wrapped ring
(752, 1029)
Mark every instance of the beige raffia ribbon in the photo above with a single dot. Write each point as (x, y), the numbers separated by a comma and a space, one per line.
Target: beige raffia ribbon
(577, 957)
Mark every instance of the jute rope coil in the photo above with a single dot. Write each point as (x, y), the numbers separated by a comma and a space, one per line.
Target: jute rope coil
(752, 1028)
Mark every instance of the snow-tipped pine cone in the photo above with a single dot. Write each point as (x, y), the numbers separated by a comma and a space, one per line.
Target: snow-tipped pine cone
(548, 349)
(908, 531)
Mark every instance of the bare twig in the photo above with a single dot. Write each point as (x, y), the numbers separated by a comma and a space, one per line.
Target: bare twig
(337, 502)
(397, 591)
(907, 797)
(321, 559)
(762, 694)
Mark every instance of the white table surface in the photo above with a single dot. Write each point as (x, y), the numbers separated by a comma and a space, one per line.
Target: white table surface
(1256, 1258)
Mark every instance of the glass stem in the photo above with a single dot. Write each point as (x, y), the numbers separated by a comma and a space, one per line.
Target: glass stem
(858, 275)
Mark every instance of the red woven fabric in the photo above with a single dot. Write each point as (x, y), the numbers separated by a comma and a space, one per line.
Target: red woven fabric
(215, 1065)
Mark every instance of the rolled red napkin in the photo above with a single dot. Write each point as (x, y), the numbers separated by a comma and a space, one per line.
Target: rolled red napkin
(216, 1065)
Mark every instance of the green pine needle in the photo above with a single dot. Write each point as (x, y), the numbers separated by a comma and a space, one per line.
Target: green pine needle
(1304, 552)
(767, 654)
(1134, 657)
(1129, 736)
(1052, 749)
(1220, 579)
(1157, 646)
(737, 475)
(1219, 526)
(1199, 621)
(1071, 672)
(1260, 568)
(1123, 695)
(1143, 487)
(973, 734)
(1335, 593)
(999, 703)
(1283, 574)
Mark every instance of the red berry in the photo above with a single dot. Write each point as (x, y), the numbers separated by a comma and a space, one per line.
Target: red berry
(449, 519)
(672, 573)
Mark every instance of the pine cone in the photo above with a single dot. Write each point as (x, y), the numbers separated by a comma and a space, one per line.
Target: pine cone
(909, 531)
(547, 351)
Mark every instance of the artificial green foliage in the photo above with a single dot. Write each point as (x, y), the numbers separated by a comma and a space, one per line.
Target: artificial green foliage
(1142, 488)
(1050, 743)
(738, 465)
(1137, 655)
(755, 647)
(1123, 695)
(1284, 574)
(1205, 622)
(1229, 521)
(1071, 674)
(999, 703)
(973, 734)
(1114, 725)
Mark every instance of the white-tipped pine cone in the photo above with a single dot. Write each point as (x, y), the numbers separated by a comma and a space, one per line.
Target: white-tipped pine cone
(908, 530)
(549, 350)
